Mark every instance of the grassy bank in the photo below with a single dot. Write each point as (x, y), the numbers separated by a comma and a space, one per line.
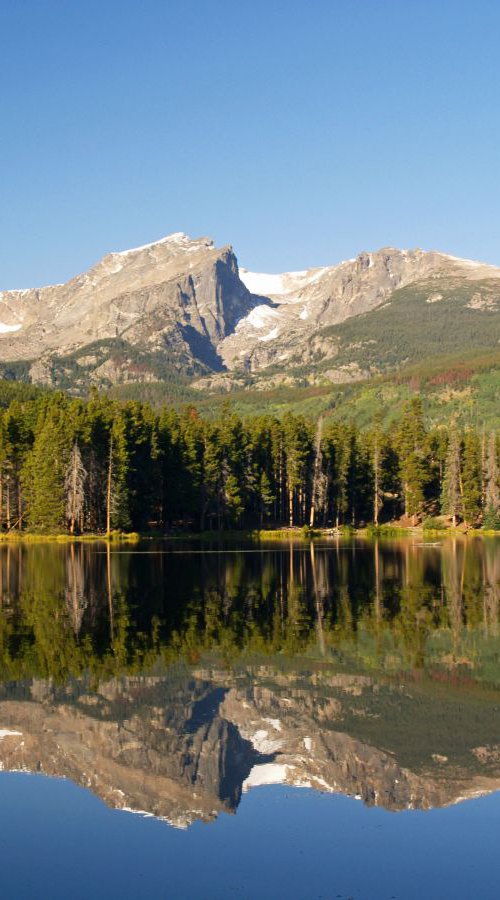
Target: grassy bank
(262, 535)
(36, 537)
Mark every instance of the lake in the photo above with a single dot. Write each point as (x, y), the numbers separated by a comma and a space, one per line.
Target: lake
(277, 720)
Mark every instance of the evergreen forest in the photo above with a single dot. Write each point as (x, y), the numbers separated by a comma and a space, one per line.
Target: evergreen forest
(103, 466)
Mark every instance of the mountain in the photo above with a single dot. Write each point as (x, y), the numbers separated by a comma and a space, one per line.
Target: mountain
(305, 303)
(137, 315)
(360, 319)
(182, 310)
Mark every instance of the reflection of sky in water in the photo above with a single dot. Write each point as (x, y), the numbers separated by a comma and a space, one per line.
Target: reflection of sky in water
(58, 841)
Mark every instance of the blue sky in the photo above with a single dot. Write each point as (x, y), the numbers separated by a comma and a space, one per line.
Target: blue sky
(300, 132)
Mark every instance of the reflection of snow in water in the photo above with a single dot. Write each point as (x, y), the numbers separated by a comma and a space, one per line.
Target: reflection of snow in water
(268, 773)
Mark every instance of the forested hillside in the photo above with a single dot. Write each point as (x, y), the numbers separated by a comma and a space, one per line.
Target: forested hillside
(463, 389)
(101, 465)
(421, 321)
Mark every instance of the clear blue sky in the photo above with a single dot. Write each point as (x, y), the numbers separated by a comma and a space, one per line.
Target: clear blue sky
(300, 132)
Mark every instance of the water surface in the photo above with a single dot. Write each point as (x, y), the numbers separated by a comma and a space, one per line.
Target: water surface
(305, 720)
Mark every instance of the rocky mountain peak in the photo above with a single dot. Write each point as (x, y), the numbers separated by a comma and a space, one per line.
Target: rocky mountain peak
(175, 298)
(182, 305)
(296, 306)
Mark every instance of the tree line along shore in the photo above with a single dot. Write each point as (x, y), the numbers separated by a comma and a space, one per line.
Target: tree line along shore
(103, 467)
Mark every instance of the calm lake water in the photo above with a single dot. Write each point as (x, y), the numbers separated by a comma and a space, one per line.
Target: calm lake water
(252, 721)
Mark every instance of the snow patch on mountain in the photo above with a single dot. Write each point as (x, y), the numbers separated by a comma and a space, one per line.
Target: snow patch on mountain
(271, 335)
(473, 263)
(260, 316)
(285, 285)
(178, 238)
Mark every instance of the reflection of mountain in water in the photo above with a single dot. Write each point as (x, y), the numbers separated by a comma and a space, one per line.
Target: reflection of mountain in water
(170, 682)
(183, 746)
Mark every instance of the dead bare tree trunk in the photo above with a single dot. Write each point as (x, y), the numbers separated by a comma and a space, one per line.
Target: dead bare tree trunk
(109, 486)
(7, 511)
(377, 491)
(76, 477)
(19, 505)
(316, 484)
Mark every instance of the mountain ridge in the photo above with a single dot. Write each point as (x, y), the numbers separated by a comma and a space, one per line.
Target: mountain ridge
(181, 307)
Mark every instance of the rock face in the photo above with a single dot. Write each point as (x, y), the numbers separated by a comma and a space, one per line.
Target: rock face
(303, 303)
(169, 303)
(182, 306)
(184, 746)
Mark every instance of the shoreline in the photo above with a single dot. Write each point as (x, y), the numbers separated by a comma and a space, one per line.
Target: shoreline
(297, 533)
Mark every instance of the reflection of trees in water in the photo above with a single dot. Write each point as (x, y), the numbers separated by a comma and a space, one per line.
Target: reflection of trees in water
(320, 593)
(76, 607)
(74, 591)
(10, 573)
(415, 619)
(491, 577)
(452, 569)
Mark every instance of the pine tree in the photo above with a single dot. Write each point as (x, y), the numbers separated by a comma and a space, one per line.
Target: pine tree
(492, 485)
(410, 443)
(233, 499)
(318, 493)
(21, 423)
(266, 497)
(234, 446)
(212, 481)
(117, 503)
(43, 476)
(298, 444)
(451, 497)
(337, 453)
(471, 478)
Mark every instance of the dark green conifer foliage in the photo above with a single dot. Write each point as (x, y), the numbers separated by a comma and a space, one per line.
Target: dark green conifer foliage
(375, 445)
(105, 465)
(492, 479)
(471, 478)
(298, 446)
(337, 454)
(265, 497)
(119, 462)
(451, 494)
(43, 476)
(411, 449)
